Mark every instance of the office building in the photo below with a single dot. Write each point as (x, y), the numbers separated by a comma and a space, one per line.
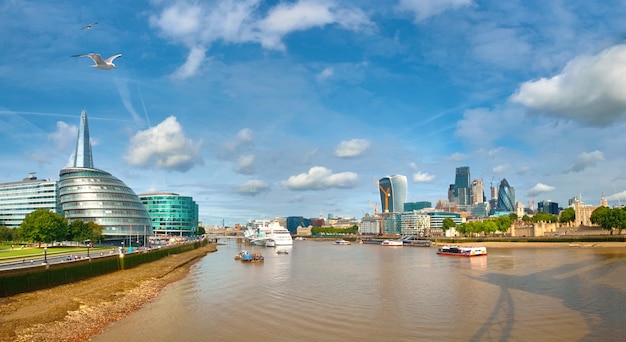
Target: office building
(506, 197)
(462, 186)
(93, 195)
(478, 193)
(393, 191)
(548, 207)
(18, 199)
(171, 214)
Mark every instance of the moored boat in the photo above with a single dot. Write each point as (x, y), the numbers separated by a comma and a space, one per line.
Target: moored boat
(461, 251)
(393, 243)
(341, 242)
(246, 256)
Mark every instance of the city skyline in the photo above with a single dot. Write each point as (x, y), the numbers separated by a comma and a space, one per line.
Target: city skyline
(262, 109)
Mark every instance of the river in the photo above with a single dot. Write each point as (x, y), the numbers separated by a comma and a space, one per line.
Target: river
(323, 292)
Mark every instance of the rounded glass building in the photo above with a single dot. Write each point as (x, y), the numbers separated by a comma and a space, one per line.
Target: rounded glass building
(92, 195)
(171, 214)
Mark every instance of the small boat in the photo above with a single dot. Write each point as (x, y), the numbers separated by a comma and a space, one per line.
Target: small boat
(270, 243)
(341, 242)
(462, 251)
(393, 243)
(246, 256)
(282, 251)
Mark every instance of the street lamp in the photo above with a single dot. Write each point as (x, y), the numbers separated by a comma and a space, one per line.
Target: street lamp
(88, 245)
(45, 255)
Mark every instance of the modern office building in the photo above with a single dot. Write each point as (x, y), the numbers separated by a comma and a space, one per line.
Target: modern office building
(18, 199)
(171, 214)
(463, 186)
(506, 197)
(548, 207)
(293, 222)
(392, 193)
(478, 192)
(415, 223)
(411, 206)
(93, 195)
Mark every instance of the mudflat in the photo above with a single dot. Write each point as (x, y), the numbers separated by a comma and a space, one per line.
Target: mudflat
(79, 311)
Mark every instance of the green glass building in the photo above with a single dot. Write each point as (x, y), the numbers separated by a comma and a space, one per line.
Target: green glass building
(171, 214)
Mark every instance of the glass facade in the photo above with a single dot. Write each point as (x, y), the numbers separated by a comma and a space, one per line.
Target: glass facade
(462, 186)
(171, 214)
(393, 193)
(18, 199)
(506, 197)
(93, 195)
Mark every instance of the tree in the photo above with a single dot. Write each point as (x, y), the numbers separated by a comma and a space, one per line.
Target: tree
(447, 224)
(598, 215)
(43, 225)
(200, 231)
(568, 215)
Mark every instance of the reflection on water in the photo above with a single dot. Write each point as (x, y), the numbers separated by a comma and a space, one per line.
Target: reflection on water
(319, 291)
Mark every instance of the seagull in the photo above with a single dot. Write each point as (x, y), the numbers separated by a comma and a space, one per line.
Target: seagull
(106, 64)
(88, 27)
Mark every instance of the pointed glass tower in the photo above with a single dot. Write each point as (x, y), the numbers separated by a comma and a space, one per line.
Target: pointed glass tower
(92, 195)
(83, 157)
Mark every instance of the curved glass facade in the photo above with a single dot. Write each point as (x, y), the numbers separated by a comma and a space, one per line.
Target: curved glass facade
(506, 197)
(394, 187)
(171, 214)
(94, 195)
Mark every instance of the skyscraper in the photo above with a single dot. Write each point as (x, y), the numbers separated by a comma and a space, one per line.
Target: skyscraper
(89, 194)
(462, 186)
(392, 193)
(506, 197)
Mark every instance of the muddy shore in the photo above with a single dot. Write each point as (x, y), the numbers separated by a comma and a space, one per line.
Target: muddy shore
(79, 311)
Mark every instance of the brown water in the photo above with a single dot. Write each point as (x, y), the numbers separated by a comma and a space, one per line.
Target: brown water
(323, 292)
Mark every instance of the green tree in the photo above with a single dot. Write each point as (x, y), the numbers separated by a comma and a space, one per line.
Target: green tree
(7, 234)
(598, 215)
(568, 215)
(447, 224)
(200, 231)
(43, 225)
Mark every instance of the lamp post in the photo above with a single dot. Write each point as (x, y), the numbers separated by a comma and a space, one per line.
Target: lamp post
(45, 255)
(88, 245)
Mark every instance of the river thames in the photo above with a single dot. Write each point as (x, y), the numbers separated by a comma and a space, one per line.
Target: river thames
(323, 292)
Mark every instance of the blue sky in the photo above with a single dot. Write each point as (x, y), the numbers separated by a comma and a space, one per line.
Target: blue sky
(260, 109)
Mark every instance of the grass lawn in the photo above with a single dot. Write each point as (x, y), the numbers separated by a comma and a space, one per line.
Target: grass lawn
(32, 250)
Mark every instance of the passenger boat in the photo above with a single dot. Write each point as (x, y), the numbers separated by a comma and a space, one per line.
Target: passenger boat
(268, 235)
(462, 251)
(393, 243)
(341, 242)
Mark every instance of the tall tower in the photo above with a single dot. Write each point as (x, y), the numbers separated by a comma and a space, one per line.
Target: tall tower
(393, 193)
(462, 186)
(506, 197)
(83, 156)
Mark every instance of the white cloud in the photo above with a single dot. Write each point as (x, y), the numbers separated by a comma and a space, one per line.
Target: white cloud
(237, 21)
(590, 89)
(244, 139)
(540, 188)
(194, 60)
(164, 147)
(456, 157)
(325, 74)
(64, 136)
(422, 177)
(586, 160)
(319, 178)
(252, 187)
(245, 165)
(352, 148)
(501, 168)
(428, 8)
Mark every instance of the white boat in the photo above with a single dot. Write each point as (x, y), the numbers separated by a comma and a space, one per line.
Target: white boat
(462, 251)
(341, 242)
(269, 235)
(393, 243)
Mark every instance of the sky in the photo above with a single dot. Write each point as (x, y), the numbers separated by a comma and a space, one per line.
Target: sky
(262, 109)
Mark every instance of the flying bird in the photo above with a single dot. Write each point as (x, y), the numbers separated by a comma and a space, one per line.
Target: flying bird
(88, 27)
(106, 64)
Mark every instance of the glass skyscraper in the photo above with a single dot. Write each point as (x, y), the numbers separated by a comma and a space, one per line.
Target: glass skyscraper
(18, 199)
(89, 194)
(462, 186)
(171, 214)
(393, 193)
(506, 197)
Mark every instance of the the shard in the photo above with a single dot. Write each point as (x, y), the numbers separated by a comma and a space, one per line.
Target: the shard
(83, 156)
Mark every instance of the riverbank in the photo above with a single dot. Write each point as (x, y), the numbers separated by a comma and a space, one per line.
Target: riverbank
(510, 244)
(79, 311)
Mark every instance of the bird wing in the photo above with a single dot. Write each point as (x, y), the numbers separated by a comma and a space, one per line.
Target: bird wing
(110, 59)
(94, 57)
(89, 26)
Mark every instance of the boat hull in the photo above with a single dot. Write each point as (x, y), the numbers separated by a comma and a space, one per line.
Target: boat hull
(462, 251)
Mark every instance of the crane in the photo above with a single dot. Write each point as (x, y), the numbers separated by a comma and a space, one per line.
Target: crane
(387, 193)
(375, 208)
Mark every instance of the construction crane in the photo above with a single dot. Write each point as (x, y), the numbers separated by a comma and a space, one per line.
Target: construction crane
(387, 193)
(375, 208)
